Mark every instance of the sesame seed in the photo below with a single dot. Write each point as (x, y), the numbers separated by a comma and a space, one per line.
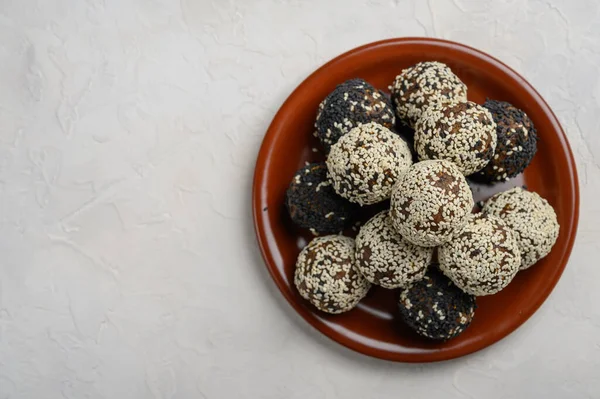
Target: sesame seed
(325, 274)
(484, 258)
(384, 258)
(352, 103)
(472, 142)
(532, 220)
(366, 162)
(436, 308)
(430, 203)
(422, 85)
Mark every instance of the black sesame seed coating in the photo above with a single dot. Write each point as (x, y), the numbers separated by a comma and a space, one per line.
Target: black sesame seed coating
(352, 103)
(435, 308)
(313, 204)
(516, 146)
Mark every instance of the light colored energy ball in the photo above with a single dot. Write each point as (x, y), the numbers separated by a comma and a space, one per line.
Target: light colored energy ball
(463, 133)
(366, 162)
(431, 203)
(532, 219)
(484, 258)
(422, 85)
(326, 274)
(385, 258)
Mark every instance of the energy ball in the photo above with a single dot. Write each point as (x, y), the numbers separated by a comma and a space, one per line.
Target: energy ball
(384, 258)
(422, 85)
(516, 144)
(353, 103)
(483, 258)
(431, 203)
(532, 220)
(435, 308)
(313, 204)
(463, 133)
(365, 164)
(326, 274)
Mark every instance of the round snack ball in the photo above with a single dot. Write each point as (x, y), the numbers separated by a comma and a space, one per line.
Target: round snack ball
(516, 144)
(365, 164)
(435, 308)
(431, 202)
(483, 258)
(421, 85)
(313, 204)
(326, 274)
(532, 220)
(463, 133)
(384, 258)
(353, 103)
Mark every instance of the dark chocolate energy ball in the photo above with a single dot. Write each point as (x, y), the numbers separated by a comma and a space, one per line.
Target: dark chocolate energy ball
(313, 203)
(435, 308)
(352, 103)
(517, 143)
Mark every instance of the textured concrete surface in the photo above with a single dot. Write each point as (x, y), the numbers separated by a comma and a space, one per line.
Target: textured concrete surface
(128, 135)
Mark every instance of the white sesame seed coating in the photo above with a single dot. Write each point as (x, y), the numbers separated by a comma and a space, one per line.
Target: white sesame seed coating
(463, 133)
(484, 258)
(365, 164)
(532, 219)
(431, 203)
(326, 274)
(384, 258)
(423, 84)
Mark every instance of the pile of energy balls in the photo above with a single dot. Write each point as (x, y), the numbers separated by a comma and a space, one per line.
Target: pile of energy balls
(429, 244)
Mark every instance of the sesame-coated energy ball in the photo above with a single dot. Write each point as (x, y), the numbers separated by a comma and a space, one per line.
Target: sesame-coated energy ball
(431, 203)
(313, 204)
(483, 258)
(421, 85)
(353, 103)
(326, 274)
(435, 308)
(365, 164)
(532, 219)
(384, 258)
(516, 144)
(463, 133)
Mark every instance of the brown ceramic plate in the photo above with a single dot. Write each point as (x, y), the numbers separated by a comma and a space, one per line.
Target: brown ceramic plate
(373, 328)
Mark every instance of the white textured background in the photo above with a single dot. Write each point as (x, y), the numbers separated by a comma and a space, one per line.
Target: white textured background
(128, 135)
